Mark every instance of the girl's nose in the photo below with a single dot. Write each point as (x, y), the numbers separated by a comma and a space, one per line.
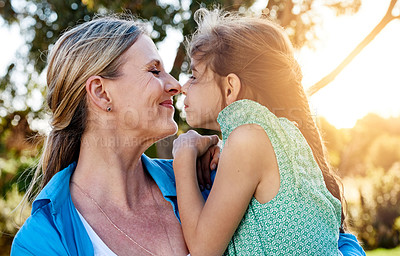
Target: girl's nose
(185, 88)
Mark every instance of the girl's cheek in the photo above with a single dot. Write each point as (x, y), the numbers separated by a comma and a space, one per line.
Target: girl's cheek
(190, 93)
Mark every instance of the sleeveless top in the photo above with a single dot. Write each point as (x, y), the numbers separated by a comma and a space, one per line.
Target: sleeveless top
(303, 218)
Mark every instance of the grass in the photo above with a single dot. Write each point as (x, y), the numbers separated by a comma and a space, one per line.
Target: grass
(384, 252)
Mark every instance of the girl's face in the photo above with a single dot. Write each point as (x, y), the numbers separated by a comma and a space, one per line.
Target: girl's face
(203, 99)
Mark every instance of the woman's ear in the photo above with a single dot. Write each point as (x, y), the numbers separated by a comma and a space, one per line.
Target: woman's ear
(232, 88)
(97, 93)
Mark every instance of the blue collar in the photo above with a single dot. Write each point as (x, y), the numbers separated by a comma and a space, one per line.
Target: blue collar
(57, 190)
(162, 173)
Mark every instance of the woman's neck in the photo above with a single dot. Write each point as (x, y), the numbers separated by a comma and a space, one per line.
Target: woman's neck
(110, 169)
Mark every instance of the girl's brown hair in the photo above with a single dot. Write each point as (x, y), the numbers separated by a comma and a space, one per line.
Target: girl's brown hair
(261, 55)
(92, 48)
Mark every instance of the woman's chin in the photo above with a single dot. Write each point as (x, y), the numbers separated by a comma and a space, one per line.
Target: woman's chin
(168, 129)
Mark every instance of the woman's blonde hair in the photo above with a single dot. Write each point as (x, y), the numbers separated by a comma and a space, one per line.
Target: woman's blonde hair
(92, 48)
(259, 52)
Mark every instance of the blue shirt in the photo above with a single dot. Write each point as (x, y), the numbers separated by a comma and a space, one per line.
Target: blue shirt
(54, 227)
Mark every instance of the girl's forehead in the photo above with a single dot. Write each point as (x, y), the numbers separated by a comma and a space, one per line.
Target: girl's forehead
(197, 65)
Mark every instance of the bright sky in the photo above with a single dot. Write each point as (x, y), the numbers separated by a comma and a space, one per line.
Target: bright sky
(371, 83)
(9, 44)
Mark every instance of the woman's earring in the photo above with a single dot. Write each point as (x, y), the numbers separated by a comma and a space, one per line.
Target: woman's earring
(108, 109)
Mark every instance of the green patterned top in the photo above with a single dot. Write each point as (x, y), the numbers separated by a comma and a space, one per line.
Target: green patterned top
(304, 217)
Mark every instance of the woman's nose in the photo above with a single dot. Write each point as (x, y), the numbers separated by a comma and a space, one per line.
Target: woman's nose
(172, 86)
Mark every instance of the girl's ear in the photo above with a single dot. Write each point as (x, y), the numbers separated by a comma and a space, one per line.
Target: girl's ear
(97, 93)
(232, 88)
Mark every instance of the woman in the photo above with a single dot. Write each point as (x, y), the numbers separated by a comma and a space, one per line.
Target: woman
(110, 99)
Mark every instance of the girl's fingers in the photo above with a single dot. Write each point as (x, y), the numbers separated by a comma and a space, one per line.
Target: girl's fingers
(214, 140)
(206, 142)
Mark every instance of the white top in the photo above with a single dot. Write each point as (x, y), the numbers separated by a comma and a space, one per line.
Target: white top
(99, 247)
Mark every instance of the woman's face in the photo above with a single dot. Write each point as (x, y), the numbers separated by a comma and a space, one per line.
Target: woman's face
(203, 100)
(142, 95)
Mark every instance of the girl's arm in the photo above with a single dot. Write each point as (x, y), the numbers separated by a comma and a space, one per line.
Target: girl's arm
(208, 227)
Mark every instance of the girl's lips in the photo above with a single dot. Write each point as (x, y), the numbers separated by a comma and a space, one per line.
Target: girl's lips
(167, 103)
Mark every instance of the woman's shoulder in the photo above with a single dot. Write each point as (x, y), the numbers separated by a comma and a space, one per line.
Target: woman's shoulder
(37, 236)
(52, 231)
(156, 163)
(163, 163)
(349, 245)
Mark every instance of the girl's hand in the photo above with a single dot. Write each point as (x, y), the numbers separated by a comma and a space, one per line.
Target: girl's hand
(193, 143)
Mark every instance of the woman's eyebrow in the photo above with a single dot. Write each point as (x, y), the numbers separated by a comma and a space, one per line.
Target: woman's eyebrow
(156, 62)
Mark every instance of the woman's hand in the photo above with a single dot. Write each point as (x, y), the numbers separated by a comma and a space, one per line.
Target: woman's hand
(193, 143)
(205, 164)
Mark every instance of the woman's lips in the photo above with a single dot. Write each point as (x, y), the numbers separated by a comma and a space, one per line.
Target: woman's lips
(167, 104)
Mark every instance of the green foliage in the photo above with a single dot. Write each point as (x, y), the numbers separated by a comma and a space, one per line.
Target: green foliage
(11, 218)
(377, 217)
(384, 151)
(16, 172)
(361, 152)
(151, 151)
(369, 156)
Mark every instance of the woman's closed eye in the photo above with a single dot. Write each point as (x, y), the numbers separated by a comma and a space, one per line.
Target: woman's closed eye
(155, 71)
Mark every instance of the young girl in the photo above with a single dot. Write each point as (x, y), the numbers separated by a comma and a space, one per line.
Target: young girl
(273, 193)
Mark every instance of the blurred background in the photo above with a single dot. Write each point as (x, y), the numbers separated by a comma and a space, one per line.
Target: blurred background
(349, 53)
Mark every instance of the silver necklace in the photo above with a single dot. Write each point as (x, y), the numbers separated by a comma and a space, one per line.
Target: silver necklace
(112, 223)
(160, 221)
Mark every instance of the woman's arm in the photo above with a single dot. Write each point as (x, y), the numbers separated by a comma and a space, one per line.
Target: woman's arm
(208, 227)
